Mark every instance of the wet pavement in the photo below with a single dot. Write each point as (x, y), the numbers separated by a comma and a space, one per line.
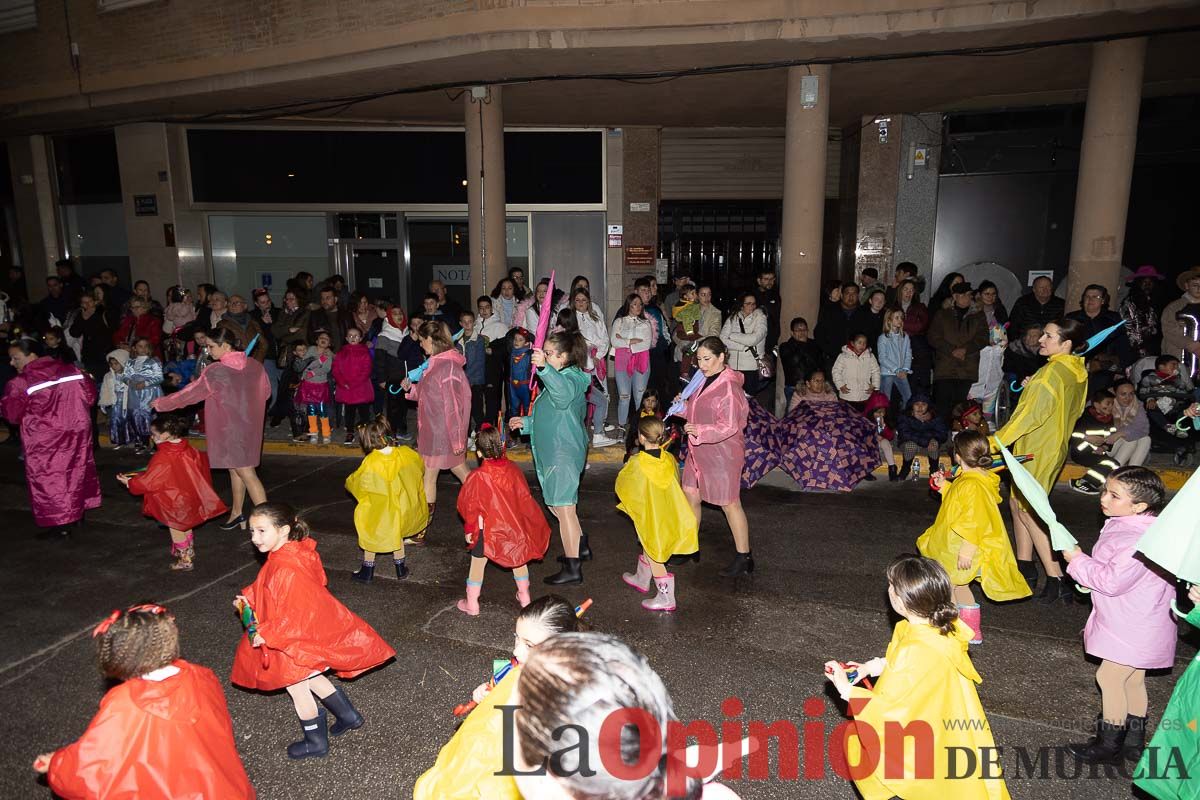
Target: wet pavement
(818, 593)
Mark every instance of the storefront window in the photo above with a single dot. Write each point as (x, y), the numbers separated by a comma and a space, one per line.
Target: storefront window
(253, 250)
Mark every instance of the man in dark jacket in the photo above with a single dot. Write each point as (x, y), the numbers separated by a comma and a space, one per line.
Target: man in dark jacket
(798, 357)
(838, 323)
(327, 317)
(1038, 308)
(766, 293)
(956, 336)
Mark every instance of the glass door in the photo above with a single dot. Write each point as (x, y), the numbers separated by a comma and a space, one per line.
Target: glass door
(375, 271)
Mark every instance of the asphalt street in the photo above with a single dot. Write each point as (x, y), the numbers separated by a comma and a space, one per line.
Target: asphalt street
(818, 593)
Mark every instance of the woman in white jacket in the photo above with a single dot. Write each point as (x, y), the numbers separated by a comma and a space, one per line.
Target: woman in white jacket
(633, 334)
(745, 334)
(595, 333)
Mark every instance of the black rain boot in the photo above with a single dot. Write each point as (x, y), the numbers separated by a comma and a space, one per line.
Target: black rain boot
(347, 716)
(892, 474)
(1029, 572)
(571, 573)
(905, 468)
(365, 572)
(585, 550)
(1056, 590)
(870, 476)
(316, 738)
(1135, 737)
(1103, 748)
(742, 564)
(401, 569)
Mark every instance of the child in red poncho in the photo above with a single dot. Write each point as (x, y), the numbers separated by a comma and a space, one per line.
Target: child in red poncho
(163, 733)
(176, 487)
(514, 531)
(296, 631)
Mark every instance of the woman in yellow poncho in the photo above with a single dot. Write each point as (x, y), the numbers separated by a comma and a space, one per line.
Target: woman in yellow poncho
(466, 767)
(388, 486)
(649, 491)
(926, 684)
(1050, 404)
(968, 537)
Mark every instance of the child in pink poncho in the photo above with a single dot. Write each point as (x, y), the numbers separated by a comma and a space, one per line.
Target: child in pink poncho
(1131, 627)
(352, 382)
(443, 398)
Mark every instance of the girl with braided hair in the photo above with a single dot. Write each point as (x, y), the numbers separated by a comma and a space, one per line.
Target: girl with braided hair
(163, 732)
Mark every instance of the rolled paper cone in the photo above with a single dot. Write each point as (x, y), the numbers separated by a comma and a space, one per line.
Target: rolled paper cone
(583, 607)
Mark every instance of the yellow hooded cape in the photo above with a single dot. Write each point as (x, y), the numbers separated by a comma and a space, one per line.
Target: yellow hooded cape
(465, 768)
(970, 510)
(391, 498)
(649, 491)
(1050, 404)
(928, 678)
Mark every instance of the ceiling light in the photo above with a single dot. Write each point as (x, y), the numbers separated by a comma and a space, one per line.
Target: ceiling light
(291, 174)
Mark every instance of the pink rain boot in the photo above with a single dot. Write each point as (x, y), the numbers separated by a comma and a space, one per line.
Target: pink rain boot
(522, 591)
(639, 580)
(970, 617)
(665, 599)
(470, 605)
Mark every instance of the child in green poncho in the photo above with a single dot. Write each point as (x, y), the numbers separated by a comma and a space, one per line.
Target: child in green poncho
(1168, 767)
(559, 442)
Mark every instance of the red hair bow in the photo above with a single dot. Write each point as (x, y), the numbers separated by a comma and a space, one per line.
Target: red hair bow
(103, 627)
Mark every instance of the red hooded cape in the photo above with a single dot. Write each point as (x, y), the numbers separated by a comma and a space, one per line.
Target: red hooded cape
(177, 488)
(155, 740)
(305, 628)
(515, 531)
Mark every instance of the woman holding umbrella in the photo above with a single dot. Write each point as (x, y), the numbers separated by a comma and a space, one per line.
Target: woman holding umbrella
(716, 417)
(234, 390)
(1051, 402)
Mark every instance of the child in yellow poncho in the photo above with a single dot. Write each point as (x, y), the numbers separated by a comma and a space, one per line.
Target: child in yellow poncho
(927, 687)
(466, 767)
(968, 537)
(389, 488)
(649, 491)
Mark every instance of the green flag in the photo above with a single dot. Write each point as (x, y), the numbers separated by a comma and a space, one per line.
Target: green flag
(1037, 500)
(1173, 541)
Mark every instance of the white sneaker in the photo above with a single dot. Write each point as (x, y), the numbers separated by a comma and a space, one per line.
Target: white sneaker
(600, 440)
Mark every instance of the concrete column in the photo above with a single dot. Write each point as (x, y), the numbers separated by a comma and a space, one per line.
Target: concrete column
(36, 205)
(803, 198)
(485, 188)
(145, 163)
(1106, 166)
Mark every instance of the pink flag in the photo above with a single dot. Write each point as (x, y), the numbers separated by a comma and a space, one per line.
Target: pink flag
(543, 326)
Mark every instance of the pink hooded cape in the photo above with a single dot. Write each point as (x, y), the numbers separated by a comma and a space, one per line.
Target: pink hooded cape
(352, 375)
(1131, 620)
(234, 391)
(56, 433)
(717, 452)
(443, 410)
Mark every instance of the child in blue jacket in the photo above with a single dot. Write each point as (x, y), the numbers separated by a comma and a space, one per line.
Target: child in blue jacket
(920, 429)
(894, 351)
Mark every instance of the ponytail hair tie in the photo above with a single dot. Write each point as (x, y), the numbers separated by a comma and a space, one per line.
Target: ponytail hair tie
(487, 426)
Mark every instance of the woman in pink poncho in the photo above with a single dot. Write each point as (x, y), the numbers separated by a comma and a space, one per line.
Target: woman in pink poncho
(52, 403)
(234, 390)
(443, 398)
(716, 416)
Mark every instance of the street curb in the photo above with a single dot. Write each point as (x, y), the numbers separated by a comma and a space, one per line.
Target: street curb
(1173, 478)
